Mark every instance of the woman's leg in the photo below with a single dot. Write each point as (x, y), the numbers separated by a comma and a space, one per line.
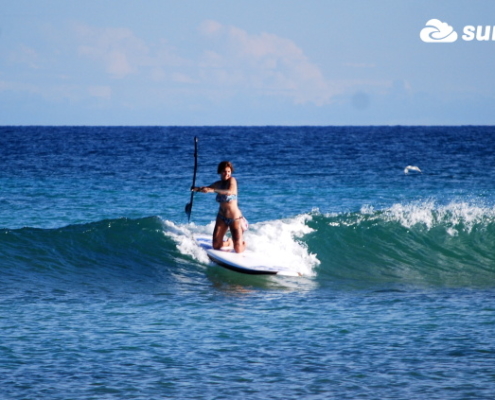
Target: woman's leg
(236, 230)
(218, 233)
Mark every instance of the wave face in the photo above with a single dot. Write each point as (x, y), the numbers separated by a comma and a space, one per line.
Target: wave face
(413, 244)
(135, 255)
(111, 255)
(417, 244)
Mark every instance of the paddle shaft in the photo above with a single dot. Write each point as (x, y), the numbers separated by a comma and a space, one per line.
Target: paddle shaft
(190, 204)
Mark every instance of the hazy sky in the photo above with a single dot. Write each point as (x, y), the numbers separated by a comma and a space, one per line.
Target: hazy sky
(244, 62)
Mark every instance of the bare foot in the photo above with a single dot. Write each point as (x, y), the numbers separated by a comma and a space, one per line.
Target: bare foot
(228, 243)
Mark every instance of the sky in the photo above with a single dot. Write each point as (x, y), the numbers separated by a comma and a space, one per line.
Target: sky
(247, 62)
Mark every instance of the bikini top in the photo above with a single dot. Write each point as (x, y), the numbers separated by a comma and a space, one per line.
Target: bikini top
(223, 198)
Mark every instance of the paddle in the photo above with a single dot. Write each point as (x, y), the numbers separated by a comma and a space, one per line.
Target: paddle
(190, 204)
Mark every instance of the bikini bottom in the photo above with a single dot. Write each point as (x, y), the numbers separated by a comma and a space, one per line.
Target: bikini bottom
(230, 221)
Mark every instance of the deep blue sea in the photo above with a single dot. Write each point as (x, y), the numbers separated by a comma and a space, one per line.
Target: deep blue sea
(104, 295)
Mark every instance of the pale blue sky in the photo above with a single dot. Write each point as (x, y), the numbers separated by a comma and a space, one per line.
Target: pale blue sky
(243, 62)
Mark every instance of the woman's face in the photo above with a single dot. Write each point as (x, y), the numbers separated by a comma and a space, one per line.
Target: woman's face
(226, 173)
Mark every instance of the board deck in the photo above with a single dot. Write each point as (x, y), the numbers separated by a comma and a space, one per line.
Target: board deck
(247, 262)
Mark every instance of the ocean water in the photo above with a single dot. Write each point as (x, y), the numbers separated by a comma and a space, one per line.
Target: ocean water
(103, 294)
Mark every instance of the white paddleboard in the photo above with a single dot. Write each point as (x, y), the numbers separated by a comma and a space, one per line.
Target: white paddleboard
(247, 262)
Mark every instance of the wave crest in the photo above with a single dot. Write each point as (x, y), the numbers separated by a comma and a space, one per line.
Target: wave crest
(418, 243)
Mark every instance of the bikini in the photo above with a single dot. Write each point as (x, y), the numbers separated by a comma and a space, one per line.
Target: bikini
(223, 198)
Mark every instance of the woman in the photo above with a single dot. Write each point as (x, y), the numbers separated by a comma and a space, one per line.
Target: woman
(229, 216)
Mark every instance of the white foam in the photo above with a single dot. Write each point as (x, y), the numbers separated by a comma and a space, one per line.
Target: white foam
(279, 238)
(454, 216)
(411, 168)
(183, 236)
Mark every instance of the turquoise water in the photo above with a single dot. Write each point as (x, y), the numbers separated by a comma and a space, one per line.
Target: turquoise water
(103, 294)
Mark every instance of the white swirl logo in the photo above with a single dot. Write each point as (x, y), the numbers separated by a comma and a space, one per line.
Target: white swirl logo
(437, 31)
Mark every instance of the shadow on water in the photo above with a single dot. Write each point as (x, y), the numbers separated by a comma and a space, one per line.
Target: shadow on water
(238, 283)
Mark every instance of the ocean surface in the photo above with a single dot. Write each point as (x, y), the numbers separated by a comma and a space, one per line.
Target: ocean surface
(104, 295)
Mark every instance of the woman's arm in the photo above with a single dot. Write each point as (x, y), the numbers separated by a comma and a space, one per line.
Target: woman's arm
(216, 188)
(231, 187)
(202, 189)
(207, 189)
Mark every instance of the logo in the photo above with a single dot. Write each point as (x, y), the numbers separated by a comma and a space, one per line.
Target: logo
(437, 31)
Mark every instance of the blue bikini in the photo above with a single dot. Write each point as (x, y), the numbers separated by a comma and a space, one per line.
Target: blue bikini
(223, 198)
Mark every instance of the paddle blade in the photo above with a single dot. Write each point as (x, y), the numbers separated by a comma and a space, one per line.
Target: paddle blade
(188, 210)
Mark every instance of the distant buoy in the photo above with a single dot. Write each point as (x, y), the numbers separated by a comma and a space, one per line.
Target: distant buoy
(411, 168)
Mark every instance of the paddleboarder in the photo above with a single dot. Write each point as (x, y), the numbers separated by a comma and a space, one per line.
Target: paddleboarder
(229, 215)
